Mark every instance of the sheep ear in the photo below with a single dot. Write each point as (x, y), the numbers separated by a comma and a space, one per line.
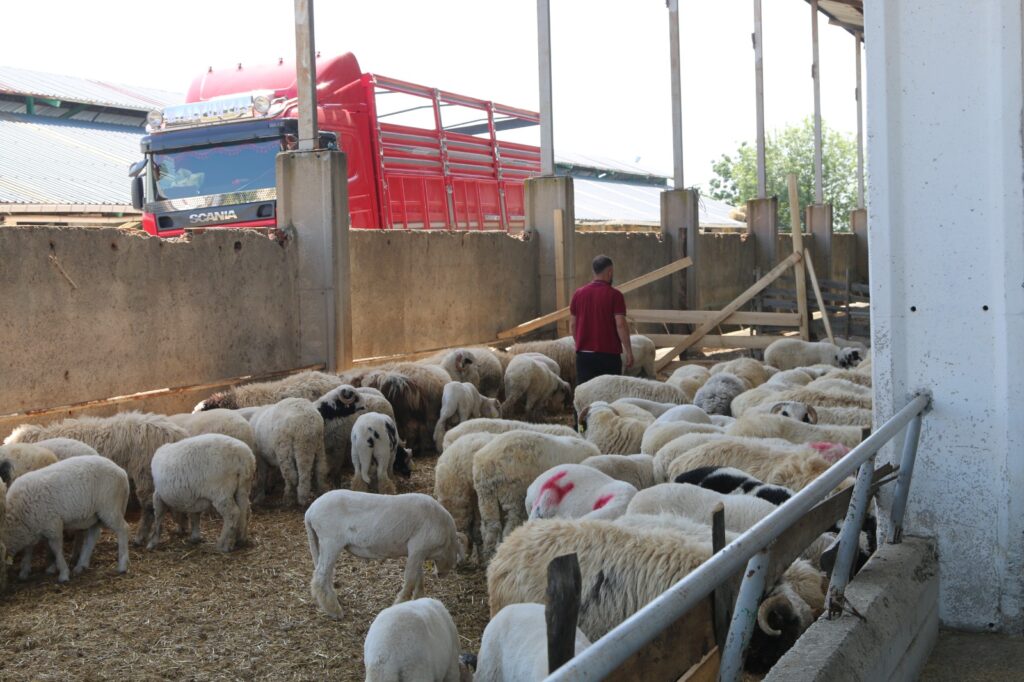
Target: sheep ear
(582, 419)
(5, 471)
(773, 613)
(812, 414)
(777, 408)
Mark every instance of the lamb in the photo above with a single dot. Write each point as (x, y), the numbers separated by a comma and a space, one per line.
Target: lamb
(717, 393)
(461, 401)
(290, 436)
(414, 640)
(226, 422)
(731, 481)
(504, 426)
(372, 526)
(793, 467)
(643, 357)
(503, 470)
(453, 488)
(562, 351)
(792, 353)
(748, 369)
(684, 413)
(23, 458)
(340, 407)
(530, 385)
(574, 491)
(779, 426)
(689, 379)
(659, 435)
(67, 447)
(514, 645)
(79, 493)
(308, 385)
(479, 366)
(129, 439)
(610, 388)
(612, 430)
(624, 567)
(637, 470)
(199, 473)
(375, 439)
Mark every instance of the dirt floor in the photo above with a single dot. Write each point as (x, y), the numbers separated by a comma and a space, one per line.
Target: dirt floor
(188, 612)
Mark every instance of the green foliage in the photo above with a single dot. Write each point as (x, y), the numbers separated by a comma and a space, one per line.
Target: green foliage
(792, 151)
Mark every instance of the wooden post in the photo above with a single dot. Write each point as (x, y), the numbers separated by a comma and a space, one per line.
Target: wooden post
(561, 285)
(723, 605)
(561, 612)
(817, 296)
(798, 247)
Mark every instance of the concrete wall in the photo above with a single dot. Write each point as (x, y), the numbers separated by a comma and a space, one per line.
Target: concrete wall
(725, 268)
(95, 313)
(416, 290)
(634, 254)
(844, 256)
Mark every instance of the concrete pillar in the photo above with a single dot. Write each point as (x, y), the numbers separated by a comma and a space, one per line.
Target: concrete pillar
(543, 196)
(763, 225)
(312, 208)
(819, 224)
(680, 227)
(859, 227)
(945, 81)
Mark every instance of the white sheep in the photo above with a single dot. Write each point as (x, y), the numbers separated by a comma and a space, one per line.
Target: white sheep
(79, 493)
(637, 470)
(530, 384)
(835, 384)
(684, 413)
(643, 357)
(610, 388)
(854, 375)
(614, 429)
(414, 640)
(689, 379)
(200, 473)
(220, 420)
(129, 439)
(801, 412)
(687, 442)
(717, 393)
(461, 401)
(786, 428)
(789, 378)
(748, 369)
(793, 353)
(378, 527)
(453, 488)
(67, 447)
(655, 409)
(514, 645)
(290, 436)
(562, 351)
(479, 366)
(503, 470)
(658, 435)
(375, 440)
(722, 421)
(23, 458)
(575, 491)
(308, 385)
(504, 426)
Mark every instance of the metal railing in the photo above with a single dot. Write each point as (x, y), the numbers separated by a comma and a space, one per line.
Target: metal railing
(751, 548)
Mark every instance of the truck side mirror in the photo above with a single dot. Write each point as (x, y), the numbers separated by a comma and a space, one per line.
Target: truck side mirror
(137, 193)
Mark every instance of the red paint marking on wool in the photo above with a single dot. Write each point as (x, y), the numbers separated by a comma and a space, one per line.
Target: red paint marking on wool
(558, 491)
(823, 446)
(602, 501)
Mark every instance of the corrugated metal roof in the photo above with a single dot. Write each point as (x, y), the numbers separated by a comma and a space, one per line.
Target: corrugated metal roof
(637, 204)
(84, 90)
(848, 14)
(48, 161)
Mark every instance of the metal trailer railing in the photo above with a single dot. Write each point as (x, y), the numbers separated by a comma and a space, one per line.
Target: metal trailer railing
(752, 549)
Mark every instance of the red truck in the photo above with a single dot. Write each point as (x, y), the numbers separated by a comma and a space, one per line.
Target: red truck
(418, 157)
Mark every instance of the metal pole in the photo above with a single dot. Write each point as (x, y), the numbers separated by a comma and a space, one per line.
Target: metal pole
(762, 177)
(677, 93)
(744, 616)
(547, 135)
(305, 74)
(899, 499)
(860, 129)
(849, 538)
(819, 187)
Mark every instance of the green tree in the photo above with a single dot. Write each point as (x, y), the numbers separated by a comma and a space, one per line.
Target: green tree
(792, 151)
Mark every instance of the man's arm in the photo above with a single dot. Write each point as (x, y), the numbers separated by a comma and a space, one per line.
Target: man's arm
(572, 326)
(627, 347)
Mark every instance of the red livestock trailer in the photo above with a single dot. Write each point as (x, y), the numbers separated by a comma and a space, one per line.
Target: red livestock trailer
(418, 157)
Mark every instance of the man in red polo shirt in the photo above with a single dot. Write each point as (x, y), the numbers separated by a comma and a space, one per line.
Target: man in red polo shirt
(598, 323)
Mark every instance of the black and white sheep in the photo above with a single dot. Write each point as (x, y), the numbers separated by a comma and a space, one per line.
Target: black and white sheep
(340, 407)
(375, 440)
(414, 640)
(770, 460)
(308, 385)
(732, 481)
(460, 402)
(794, 353)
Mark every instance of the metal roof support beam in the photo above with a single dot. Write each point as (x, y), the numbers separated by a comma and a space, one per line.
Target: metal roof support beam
(677, 93)
(305, 68)
(819, 185)
(30, 105)
(762, 178)
(547, 135)
(74, 111)
(857, 37)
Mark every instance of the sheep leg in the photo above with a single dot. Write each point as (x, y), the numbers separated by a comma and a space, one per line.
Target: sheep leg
(231, 515)
(181, 520)
(260, 489)
(413, 575)
(56, 542)
(116, 523)
(242, 531)
(490, 521)
(321, 471)
(358, 483)
(26, 562)
(322, 583)
(158, 519)
(305, 474)
(291, 478)
(197, 534)
(385, 485)
(91, 535)
(145, 521)
(439, 430)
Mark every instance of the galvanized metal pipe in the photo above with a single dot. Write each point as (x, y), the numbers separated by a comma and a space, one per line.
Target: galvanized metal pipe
(860, 127)
(744, 616)
(762, 173)
(547, 135)
(305, 74)
(599, 660)
(677, 93)
(899, 500)
(849, 539)
(819, 185)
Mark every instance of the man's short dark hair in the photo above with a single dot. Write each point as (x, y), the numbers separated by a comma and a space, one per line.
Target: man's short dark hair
(600, 264)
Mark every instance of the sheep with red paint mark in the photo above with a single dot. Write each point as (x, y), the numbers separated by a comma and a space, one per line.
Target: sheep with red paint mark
(574, 491)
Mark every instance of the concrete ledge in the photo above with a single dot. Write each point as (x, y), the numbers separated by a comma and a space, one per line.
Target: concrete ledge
(897, 595)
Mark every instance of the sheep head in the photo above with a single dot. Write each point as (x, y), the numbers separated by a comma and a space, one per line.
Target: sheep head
(342, 401)
(490, 408)
(801, 412)
(463, 359)
(781, 619)
(848, 357)
(220, 400)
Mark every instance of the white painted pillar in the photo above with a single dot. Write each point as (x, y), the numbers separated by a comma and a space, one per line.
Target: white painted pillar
(677, 94)
(857, 42)
(819, 185)
(762, 180)
(946, 232)
(547, 134)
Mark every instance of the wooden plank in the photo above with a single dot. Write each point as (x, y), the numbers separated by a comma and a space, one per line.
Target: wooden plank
(631, 285)
(722, 595)
(561, 285)
(759, 342)
(561, 613)
(699, 316)
(739, 301)
(798, 247)
(706, 670)
(672, 653)
(817, 295)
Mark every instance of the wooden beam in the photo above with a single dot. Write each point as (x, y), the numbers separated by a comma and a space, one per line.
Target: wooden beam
(672, 653)
(798, 247)
(759, 342)
(817, 295)
(706, 670)
(561, 613)
(699, 316)
(631, 285)
(740, 300)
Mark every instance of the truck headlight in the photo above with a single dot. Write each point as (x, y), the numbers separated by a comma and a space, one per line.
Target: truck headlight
(261, 104)
(155, 119)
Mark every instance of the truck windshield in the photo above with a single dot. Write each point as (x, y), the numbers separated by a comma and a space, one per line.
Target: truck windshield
(215, 170)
